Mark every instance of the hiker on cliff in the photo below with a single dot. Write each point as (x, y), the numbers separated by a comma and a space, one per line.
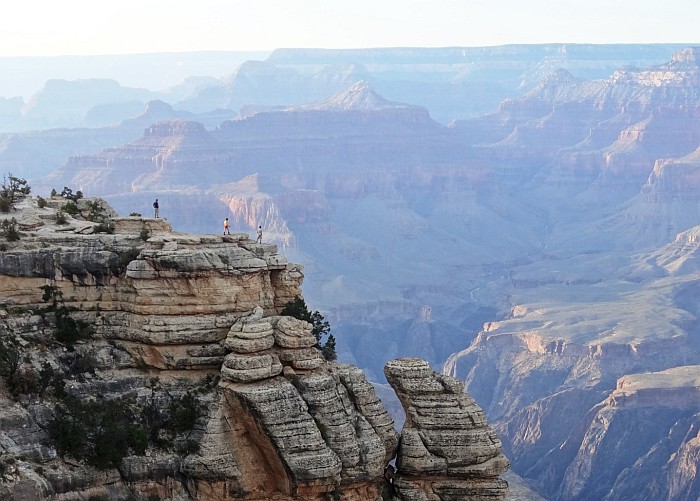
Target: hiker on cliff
(226, 230)
(155, 208)
(259, 239)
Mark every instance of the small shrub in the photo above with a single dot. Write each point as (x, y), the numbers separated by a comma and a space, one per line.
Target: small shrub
(5, 204)
(12, 188)
(68, 194)
(145, 234)
(58, 387)
(184, 412)
(81, 364)
(19, 381)
(9, 230)
(23, 382)
(41, 202)
(71, 208)
(10, 356)
(96, 212)
(68, 330)
(47, 375)
(138, 438)
(53, 192)
(100, 432)
(320, 327)
(135, 214)
(61, 217)
(51, 293)
(153, 415)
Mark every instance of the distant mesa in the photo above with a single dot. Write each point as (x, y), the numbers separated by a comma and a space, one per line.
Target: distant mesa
(360, 96)
(168, 128)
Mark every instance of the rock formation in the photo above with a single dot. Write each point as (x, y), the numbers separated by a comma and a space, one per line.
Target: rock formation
(594, 395)
(172, 317)
(565, 221)
(446, 443)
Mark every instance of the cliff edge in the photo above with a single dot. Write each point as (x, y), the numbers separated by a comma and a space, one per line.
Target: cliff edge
(141, 363)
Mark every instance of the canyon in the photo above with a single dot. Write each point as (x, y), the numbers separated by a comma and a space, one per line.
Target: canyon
(538, 243)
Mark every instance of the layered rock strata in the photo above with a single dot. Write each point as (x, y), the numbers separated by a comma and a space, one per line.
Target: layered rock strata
(448, 452)
(199, 314)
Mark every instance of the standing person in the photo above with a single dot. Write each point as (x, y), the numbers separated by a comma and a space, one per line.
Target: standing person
(259, 239)
(226, 230)
(155, 208)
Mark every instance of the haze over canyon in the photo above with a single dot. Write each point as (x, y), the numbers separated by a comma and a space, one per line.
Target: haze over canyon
(525, 218)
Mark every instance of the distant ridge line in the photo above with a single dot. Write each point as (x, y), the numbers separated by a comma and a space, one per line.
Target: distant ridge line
(459, 54)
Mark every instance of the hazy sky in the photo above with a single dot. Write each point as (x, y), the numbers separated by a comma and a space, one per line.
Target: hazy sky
(76, 27)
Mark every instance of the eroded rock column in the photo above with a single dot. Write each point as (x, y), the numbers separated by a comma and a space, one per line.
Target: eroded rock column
(448, 452)
(298, 427)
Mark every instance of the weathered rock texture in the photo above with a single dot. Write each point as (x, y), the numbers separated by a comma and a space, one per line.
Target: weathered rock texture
(599, 399)
(280, 424)
(448, 452)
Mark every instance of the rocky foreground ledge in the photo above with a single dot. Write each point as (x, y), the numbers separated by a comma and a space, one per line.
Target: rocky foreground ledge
(160, 318)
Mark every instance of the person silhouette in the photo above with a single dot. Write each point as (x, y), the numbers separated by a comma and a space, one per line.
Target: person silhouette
(155, 208)
(226, 227)
(259, 239)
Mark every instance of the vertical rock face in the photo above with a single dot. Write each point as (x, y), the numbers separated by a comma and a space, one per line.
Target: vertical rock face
(448, 452)
(318, 429)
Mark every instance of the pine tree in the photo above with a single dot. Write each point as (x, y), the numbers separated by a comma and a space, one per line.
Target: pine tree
(320, 327)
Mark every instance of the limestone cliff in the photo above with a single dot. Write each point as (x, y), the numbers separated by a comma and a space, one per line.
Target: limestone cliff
(211, 393)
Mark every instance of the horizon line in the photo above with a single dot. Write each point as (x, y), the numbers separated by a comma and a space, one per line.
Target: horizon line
(385, 47)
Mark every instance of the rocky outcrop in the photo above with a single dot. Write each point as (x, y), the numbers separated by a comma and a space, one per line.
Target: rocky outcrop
(173, 315)
(452, 82)
(654, 419)
(674, 179)
(170, 154)
(447, 448)
(627, 378)
(311, 437)
(360, 96)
